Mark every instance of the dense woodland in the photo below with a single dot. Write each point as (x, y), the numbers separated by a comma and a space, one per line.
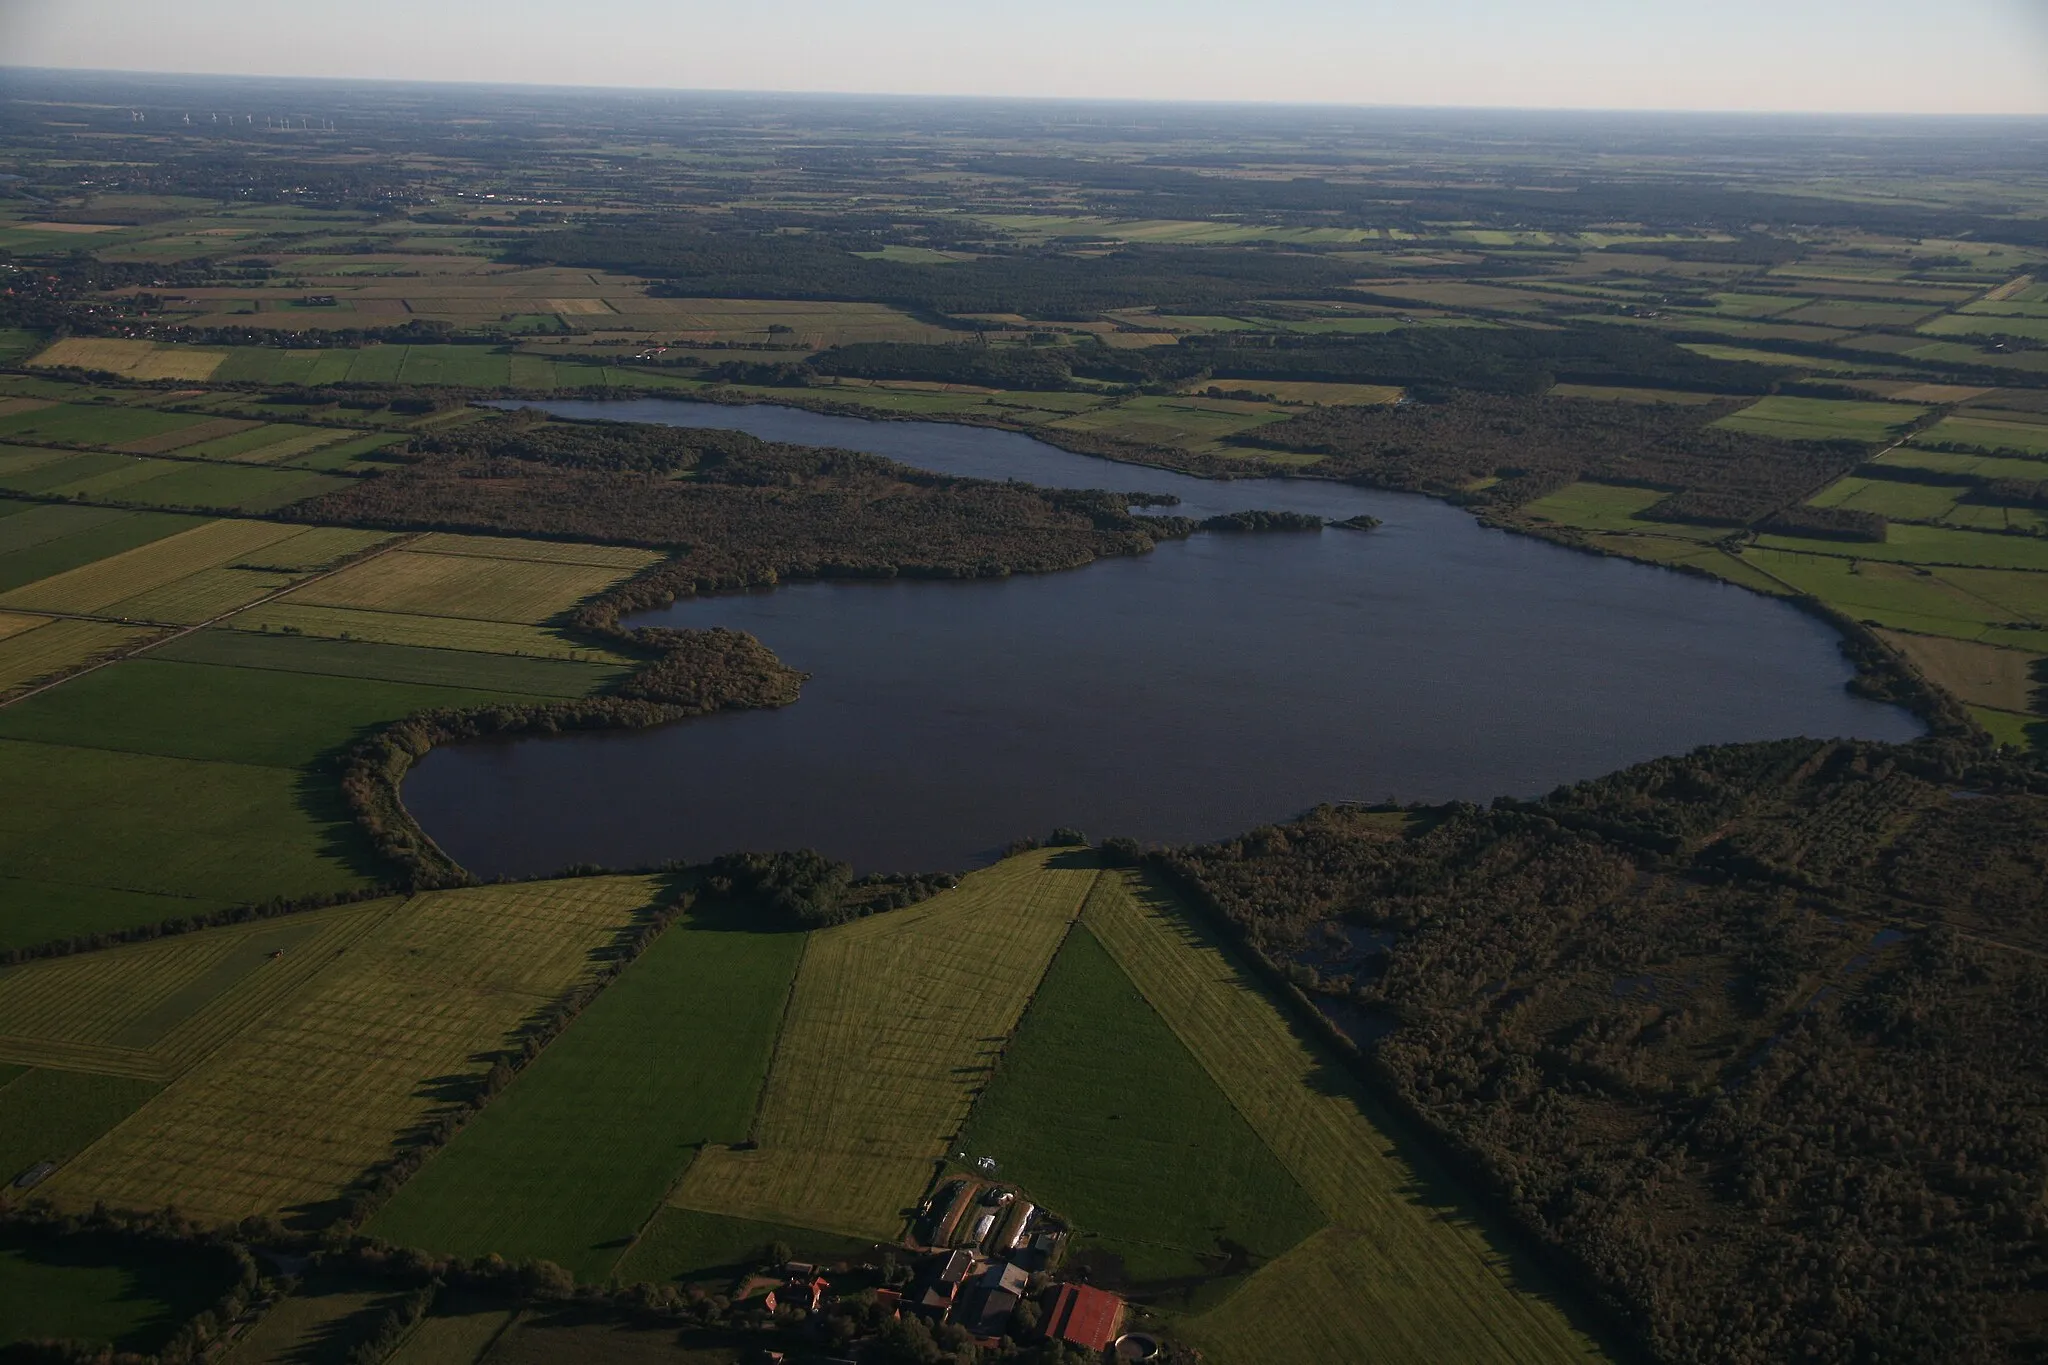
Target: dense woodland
(738, 512)
(1432, 361)
(1500, 451)
(1754, 1035)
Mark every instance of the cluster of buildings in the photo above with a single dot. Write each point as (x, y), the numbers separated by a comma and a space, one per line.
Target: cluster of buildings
(984, 1295)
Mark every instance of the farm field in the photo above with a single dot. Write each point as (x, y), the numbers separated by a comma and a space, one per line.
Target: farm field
(1194, 423)
(684, 1245)
(195, 837)
(288, 615)
(184, 577)
(2001, 679)
(1823, 419)
(356, 658)
(318, 1323)
(893, 1024)
(52, 1115)
(1398, 1276)
(91, 424)
(225, 713)
(286, 1114)
(132, 359)
(672, 1056)
(130, 1304)
(476, 587)
(40, 540)
(1985, 432)
(1134, 1142)
(58, 646)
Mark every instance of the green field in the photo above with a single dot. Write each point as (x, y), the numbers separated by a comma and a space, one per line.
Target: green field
(92, 424)
(1405, 1273)
(221, 714)
(434, 667)
(1989, 433)
(1823, 419)
(49, 1115)
(1891, 498)
(892, 1026)
(683, 1244)
(1132, 1142)
(570, 1162)
(47, 540)
(198, 833)
(128, 1302)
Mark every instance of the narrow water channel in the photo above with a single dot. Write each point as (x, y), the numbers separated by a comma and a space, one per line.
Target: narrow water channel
(1188, 694)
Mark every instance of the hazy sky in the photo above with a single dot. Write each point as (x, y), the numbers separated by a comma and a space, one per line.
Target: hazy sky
(1956, 56)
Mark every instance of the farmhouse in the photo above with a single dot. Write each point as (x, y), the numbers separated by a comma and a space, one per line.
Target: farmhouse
(1085, 1317)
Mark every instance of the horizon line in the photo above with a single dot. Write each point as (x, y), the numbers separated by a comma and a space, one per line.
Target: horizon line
(1134, 101)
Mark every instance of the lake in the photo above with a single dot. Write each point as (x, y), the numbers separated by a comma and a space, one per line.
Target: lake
(1211, 686)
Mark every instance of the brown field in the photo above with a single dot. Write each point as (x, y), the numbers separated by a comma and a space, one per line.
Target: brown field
(10, 406)
(292, 1109)
(514, 590)
(133, 359)
(199, 596)
(29, 655)
(582, 307)
(14, 623)
(1981, 675)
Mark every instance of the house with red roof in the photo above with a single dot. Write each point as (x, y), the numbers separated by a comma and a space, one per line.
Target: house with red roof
(1085, 1316)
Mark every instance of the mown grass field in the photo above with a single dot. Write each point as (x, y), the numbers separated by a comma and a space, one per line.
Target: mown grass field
(892, 1027)
(150, 1011)
(672, 1056)
(1133, 1142)
(1981, 675)
(291, 1110)
(102, 586)
(132, 359)
(1823, 419)
(424, 666)
(405, 628)
(521, 592)
(58, 646)
(1404, 1273)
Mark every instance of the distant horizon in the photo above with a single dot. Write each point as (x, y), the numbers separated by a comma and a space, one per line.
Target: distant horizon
(941, 97)
(1828, 57)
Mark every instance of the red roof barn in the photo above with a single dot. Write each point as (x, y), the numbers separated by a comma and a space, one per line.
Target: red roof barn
(1085, 1317)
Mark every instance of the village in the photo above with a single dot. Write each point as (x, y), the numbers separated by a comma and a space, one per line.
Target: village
(985, 1260)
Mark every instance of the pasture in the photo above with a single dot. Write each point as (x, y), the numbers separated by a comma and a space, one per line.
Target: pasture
(1985, 432)
(112, 1300)
(1891, 498)
(92, 424)
(670, 1057)
(1134, 1142)
(1823, 419)
(287, 1114)
(435, 667)
(53, 1115)
(1980, 675)
(195, 837)
(226, 714)
(893, 1026)
(1405, 1272)
(1193, 423)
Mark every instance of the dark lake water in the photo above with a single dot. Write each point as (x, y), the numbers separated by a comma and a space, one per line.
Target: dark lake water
(1208, 687)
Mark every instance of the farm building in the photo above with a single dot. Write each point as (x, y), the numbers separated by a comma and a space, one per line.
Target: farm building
(1085, 1317)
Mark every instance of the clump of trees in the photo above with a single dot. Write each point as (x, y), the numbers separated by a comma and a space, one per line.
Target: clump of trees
(1263, 521)
(806, 890)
